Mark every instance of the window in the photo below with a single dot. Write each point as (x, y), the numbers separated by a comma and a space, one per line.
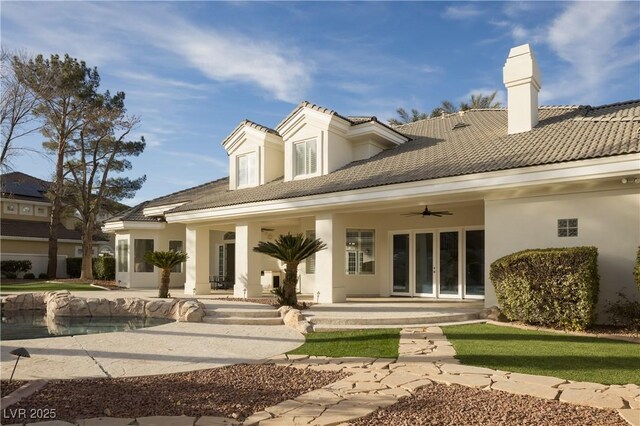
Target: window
(306, 157)
(246, 169)
(123, 256)
(140, 247)
(567, 227)
(311, 260)
(221, 260)
(360, 251)
(474, 263)
(176, 246)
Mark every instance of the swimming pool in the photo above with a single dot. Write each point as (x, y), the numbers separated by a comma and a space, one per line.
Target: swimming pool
(36, 324)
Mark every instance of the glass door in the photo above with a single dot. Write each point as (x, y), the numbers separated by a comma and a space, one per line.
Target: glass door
(400, 265)
(425, 264)
(449, 264)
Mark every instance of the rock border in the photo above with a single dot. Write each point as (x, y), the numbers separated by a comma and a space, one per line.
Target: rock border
(63, 304)
(22, 392)
(295, 319)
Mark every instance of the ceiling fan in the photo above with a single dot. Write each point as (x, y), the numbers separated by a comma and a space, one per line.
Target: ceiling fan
(427, 212)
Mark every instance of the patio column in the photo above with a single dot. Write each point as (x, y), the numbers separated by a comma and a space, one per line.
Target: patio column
(197, 268)
(330, 261)
(248, 263)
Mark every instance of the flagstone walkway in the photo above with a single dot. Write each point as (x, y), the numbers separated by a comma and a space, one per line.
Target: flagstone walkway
(426, 356)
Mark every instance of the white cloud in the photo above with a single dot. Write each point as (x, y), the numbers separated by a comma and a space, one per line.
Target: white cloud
(598, 47)
(162, 35)
(467, 11)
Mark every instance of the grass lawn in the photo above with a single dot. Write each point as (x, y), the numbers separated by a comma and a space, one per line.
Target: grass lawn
(45, 286)
(569, 357)
(378, 343)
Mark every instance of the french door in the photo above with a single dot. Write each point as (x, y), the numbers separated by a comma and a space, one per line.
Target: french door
(438, 263)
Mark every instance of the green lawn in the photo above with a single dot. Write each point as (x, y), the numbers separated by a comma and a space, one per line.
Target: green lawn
(378, 343)
(45, 286)
(548, 354)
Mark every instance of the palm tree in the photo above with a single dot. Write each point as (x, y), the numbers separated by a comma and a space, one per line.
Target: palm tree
(290, 249)
(477, 101)
(165, 260)
(405, 118)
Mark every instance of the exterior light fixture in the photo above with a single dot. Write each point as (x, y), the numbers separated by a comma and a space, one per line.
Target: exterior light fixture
(624, 180)
(318, 297)
(244, 292)
(18, 352)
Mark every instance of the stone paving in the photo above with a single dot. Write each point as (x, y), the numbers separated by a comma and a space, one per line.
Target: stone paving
(425, 356)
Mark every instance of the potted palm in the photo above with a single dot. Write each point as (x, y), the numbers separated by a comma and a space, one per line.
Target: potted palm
(165, 260)
(290, 249)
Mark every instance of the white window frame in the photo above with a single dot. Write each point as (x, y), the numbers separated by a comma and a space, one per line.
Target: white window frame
(252, 174)
(144, 263)
(357, 253)
(307, 158)
(122, 262)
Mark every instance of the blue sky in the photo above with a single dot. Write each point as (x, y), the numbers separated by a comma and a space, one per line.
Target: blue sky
(193, 70)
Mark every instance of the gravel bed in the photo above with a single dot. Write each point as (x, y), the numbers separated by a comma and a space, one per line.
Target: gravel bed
(455, 405)
(6, 387)
(236, 391)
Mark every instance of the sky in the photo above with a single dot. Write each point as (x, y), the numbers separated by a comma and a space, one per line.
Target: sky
(193, 70)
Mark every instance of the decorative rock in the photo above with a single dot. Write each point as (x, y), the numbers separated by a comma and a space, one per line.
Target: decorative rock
(294, 319)
(128, 307)
(191, 311)
(471, 380)
(215, 421)
(23, 301)
(68, 306)
(104, 421)
(166, 420)
(537, 380)
(99, 307)
(256, 418)
(159, 308)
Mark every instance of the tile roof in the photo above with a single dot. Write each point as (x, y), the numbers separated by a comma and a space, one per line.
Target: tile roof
(36, 229)
(456, 144)
(22, 186)
(251, 124)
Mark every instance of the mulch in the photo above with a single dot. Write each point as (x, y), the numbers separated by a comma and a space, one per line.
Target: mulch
(235, 391)
(6, 387)
(455, 405)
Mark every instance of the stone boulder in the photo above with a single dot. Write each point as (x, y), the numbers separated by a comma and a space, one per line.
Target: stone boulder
(18, 302)
(190, 311)
(493, 313)
(127, 307)
(99, 307)
(160, 308)
(68, 306)
(294, 319)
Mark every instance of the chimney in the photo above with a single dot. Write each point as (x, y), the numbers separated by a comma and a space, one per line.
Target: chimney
(521, 76)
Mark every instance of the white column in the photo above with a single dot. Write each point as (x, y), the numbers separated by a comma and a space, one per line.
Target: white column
(197, 268)
(330, 268)
(248, 262)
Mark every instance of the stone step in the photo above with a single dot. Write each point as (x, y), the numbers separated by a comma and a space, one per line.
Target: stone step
(392, 322)
(371, 327)
(242, 320)
(244, 313)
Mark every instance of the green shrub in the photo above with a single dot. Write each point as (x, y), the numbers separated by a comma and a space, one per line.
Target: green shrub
(625, 312)
(104, 268)
(11, 268)
(74, 267)
(555, 287)
(636, 270)
(43, 276)
(29, 276)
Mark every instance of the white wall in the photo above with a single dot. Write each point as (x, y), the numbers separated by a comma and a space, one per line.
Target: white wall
(39, 262)
(608, 220)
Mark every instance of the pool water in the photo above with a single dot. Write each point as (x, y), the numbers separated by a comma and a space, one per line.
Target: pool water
(36, 325)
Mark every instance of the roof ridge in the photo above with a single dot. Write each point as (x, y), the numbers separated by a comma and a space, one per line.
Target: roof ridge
(188, 189)
(615, 104)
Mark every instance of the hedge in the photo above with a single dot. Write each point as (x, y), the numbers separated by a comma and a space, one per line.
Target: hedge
(11, 268)
(104, 267)
(555, 287)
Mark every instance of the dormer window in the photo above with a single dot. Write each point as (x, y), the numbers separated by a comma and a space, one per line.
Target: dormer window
(246, 169)
(306, 157)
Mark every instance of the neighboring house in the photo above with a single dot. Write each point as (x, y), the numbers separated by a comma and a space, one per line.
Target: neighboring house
(24, 227)
(515, 178)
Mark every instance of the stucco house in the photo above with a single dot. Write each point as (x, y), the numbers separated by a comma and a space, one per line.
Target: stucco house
(24, 225)
(525, 176)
